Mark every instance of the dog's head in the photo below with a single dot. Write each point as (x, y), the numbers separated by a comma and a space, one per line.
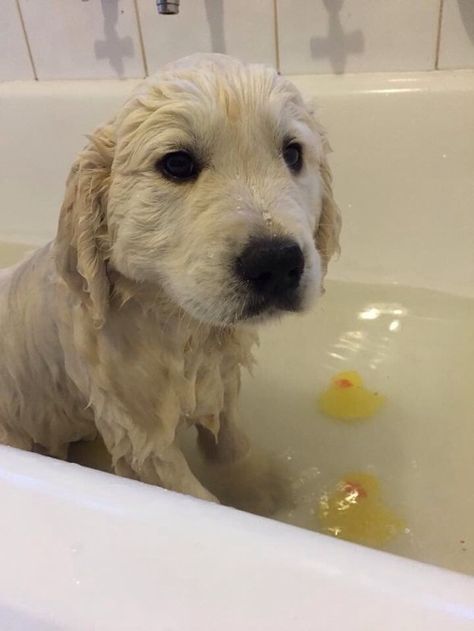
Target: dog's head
(212, 182)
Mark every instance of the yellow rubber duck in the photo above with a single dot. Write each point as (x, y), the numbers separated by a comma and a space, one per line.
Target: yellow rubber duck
(347, 399)
(355, 511)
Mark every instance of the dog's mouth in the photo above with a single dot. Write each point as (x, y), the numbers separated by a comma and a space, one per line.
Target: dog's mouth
(271, 306)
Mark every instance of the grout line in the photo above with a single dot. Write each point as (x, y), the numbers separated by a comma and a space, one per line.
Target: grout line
(438, 39)
(277, 41)
(140, 37)
(25, 35)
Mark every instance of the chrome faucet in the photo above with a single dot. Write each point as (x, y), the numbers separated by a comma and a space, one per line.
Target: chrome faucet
(167, 7)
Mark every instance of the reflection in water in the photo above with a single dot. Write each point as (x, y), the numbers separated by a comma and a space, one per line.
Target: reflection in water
(350, 344)
(394, 325)
(371, 313)
(374, 311)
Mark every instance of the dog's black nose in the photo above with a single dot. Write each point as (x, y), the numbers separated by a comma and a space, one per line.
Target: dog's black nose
(272, 267)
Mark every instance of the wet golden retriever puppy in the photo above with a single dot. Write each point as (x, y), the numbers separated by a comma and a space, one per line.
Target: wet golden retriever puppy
(202, 210)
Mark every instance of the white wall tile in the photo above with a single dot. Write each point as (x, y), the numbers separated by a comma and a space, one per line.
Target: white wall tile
(326, 36)
(242, 29)
(14, 59)
(79, 39)
(457, 35)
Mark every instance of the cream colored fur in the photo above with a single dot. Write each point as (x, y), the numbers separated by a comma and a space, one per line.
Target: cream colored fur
(129, 323)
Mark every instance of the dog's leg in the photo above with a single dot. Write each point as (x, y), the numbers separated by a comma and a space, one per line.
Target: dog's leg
(249, 479)
(171, 471)
(15, 438)
(231, 443)
(166, 467)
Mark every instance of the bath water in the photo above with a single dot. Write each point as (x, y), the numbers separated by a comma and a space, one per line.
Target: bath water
(415, 347)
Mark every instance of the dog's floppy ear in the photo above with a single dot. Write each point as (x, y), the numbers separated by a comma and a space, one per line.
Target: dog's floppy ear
(327, 231)
(81, 247)
(329, 226)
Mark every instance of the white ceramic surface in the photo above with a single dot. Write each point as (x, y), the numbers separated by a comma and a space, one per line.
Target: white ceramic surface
(83, 40)
(357, 35)
(14, 59)
(457, 35)
(84, 550)
(245, 30)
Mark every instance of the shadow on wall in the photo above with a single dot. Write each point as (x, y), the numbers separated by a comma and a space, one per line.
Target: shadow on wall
(215, 18)
(338, 45)
(466, 8)
(113, 47)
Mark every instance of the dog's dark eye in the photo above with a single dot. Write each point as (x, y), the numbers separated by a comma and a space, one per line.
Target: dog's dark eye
(178, 165)
(293, 156)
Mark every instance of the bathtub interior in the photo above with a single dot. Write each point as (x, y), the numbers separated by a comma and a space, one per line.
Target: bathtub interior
(399, 306)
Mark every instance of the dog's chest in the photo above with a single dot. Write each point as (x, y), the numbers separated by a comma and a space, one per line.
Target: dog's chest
(174, 372)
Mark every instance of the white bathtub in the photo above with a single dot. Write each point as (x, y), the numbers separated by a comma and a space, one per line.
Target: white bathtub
(80, 549)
